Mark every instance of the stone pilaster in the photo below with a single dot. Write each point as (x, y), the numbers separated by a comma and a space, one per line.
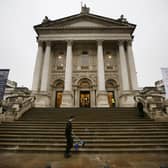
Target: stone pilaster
(93, 96)
(76, 94)
(45, 69)
(102, 100)
(67, 98)
(131, 64)
(37, 69)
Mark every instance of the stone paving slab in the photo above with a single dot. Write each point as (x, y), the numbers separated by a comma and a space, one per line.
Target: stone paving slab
(123, 160)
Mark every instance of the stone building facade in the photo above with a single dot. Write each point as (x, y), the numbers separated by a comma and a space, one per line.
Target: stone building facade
(84, 60)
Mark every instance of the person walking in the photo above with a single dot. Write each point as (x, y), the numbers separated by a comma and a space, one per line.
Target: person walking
(113, 102)
(140, 109)
(68, 136)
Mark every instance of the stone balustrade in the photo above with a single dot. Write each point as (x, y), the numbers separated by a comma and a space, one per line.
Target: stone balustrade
(14, 107)
(154, 106)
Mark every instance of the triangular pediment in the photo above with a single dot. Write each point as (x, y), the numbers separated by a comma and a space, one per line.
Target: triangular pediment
(89, 20)
(85, 23)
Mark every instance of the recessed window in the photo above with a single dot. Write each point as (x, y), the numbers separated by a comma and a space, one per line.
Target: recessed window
(85, 53)
(108, 55)
(84, 67)
(84, 58)
(59, 67)
(109, 67)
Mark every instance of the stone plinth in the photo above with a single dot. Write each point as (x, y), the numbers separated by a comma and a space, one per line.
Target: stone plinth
(42, 100)
(67, 99)
(102, 100)
(127, 100)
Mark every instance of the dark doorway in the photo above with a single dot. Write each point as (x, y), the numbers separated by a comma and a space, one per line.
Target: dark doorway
(58, 100)
(111, 99)
(85, 99)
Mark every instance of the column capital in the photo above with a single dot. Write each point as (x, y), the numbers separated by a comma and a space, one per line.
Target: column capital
(129, 42)
(40, 43)
(69, 42)
(99, 42)
(121, 42)
(48, 43)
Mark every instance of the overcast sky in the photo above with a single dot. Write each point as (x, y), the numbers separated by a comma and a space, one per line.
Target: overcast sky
(18, 46)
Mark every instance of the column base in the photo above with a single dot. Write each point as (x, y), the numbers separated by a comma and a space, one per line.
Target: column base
(42, 99)
(102, 100)
(67, 99)
(127, 100)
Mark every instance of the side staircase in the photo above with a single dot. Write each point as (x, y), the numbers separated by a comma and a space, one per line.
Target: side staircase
(103, 130)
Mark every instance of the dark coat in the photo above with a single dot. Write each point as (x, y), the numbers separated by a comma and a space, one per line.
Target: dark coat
(140, 106)
(68, 135)
(68, 129)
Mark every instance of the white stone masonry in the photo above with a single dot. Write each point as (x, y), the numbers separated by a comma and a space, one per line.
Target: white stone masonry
(45, 70)
(37, 69)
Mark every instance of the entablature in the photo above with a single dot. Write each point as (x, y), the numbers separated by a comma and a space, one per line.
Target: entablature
(74, 37)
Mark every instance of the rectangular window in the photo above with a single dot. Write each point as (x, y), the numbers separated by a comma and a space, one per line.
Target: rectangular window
(84, 59)
(59, 68)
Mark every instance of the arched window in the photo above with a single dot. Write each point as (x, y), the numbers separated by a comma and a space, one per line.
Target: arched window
(110, 84)
(59, 84)
(84, 83)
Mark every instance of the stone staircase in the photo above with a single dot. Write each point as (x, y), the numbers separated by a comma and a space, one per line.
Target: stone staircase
(103, 130)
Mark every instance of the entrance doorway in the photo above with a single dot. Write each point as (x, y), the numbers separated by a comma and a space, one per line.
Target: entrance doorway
(58, 99)
(85, 99)
(111, 99)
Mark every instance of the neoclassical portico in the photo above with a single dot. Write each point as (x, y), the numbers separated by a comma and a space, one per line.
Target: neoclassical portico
(79, 51)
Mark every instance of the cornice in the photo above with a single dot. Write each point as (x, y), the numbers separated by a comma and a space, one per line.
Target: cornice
(86, 36)
(84, 30)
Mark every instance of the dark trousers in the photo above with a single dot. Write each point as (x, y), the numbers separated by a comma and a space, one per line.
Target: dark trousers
(69, 145)
(141, 112)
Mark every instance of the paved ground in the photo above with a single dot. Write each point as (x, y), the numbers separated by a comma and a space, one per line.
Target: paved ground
(20, 160)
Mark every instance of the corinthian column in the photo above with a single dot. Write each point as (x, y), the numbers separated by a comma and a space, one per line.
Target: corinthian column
(123, 67)
(37, 69)
(67, 97)
(68, 68)
(131, 63)
(126, 96)
(100, 67)
(102, 100)
(45, 70)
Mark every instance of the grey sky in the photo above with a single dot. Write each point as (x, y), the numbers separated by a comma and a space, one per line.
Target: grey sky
(18, 45)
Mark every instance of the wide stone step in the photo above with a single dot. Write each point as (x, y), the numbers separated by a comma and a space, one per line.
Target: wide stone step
(103, 130)
(83, 150)
(85, 114)
(88, 145)
(49, 122)
(88, 141)
(82, 130)
(115, 132)
(86, 128)
(117, 136)
(37, 109)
